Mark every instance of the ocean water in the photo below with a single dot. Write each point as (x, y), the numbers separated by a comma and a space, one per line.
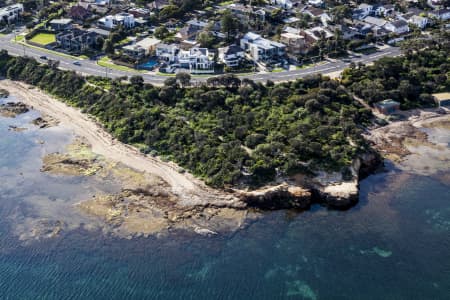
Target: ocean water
(395, 244)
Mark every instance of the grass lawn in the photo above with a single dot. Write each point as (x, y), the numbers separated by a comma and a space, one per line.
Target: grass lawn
(44, 38)
(105, 62)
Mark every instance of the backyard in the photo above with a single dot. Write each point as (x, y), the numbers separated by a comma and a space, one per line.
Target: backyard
(43, 38)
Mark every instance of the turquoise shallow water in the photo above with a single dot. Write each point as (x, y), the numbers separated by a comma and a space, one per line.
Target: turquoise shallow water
(395, 244)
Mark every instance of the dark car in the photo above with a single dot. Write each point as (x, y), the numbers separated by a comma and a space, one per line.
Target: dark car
(43, 57)
(77, 63)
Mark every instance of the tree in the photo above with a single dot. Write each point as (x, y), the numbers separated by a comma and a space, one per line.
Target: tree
(137, 80)
(108, 47)
(183, 78)
(206, 39)
(228, 24)
(161, 32)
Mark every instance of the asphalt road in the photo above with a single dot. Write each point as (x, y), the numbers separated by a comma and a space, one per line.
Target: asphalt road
(90, 67)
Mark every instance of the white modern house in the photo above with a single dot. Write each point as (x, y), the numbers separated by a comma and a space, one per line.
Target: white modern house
(197, 60)
(419, 21)
(167, 53)
(286, 4)
(231, 56)
(261, 49)
(110, 22)
(11, 13)
(397, 27)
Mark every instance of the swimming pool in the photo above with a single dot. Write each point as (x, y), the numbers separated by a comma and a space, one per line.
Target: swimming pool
(149, 65)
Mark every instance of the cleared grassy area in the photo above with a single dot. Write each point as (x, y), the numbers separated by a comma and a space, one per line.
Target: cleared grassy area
(105, 62)
(44, 38)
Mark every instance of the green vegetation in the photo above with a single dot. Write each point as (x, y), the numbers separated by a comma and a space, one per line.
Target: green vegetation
(410, 79)
(227, 131)
(44, 38)
(106, 62)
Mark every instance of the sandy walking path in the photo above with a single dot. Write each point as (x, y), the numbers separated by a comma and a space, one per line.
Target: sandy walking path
(191, 190)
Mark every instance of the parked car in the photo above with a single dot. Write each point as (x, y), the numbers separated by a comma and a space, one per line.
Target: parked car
(77, 63)
(43, 57)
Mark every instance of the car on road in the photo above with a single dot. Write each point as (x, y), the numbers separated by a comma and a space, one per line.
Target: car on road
(77, 63)
(43, 57)
(346, 60)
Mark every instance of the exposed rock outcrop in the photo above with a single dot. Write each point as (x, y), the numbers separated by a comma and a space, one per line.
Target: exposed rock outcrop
(278, 197)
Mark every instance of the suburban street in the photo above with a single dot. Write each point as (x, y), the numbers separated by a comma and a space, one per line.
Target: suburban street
(90, 67)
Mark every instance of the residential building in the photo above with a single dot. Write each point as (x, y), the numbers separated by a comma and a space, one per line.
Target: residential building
(245, 14)
(419, 21)
(138, 12)
(318, 13)
(261, 49)
(397, 27)
(295, 43)
(79, 13)
(197, 60)
(441, 14)
(316, 2)
(362, 11)
(142, 48)
(60, 24)
(125, 19)
(384, 10)
(376, 22)
(167, 53)
(442, 99)
(231, 55)
(76, 40)
(387, 106)
(313, 35)
(286, 4)
(11, 13)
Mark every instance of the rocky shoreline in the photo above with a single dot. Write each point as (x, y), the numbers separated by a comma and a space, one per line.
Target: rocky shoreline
(149, 204)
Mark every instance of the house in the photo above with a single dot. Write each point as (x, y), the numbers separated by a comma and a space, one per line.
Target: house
(314, 34)
(261, 49)
(11, 13)
(231, 55)
(245, 14)
(286, 4)
(197, 60)
(442, 99)
(295, 43)
(384, 10)
(316, 3)
(387, 106)
(138, 12)
(142, 48)
(362, 11)
(419, 21)
(318, 13)
(109, 22)
(397, 27)
(60, 24)
(79, 13)
(167, 53)
(375, 22)
(76, 40)
(441, 14)
(188, 32)
(435, 3)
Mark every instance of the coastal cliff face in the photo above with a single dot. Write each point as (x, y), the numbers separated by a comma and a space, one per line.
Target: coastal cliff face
(328, 190)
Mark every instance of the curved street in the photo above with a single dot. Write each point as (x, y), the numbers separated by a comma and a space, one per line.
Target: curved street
(90, 67)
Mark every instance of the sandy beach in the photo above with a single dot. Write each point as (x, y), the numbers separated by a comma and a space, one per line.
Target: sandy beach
(190, 190)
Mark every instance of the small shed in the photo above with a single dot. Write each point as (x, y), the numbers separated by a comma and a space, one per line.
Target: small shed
(387, 106)
(442, 99)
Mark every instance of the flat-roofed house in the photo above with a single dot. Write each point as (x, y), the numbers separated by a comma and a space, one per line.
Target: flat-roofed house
(387, 106)
(261, 49)
(11, 13)
(442, 99)
(61, 24)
